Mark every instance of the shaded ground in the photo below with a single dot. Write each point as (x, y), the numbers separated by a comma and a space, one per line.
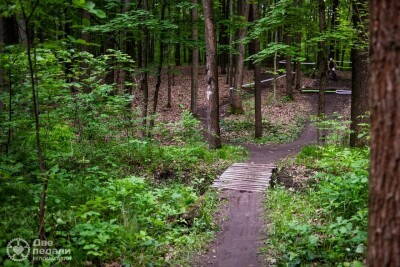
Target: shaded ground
(181, 92)
(241, 235)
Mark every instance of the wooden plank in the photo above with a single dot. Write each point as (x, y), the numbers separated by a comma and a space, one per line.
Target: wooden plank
(245, 177)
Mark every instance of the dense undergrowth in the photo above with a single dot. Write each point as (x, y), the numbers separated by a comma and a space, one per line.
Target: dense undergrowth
(113, 195)
(325, 223)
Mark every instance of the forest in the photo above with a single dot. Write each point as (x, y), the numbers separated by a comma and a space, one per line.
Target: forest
(229, 133)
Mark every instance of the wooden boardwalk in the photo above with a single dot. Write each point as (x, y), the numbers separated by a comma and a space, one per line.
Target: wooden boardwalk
(245, 177)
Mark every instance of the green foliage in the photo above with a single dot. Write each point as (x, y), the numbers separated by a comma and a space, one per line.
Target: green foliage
(335, 129)
(328, 222)
(111, 194)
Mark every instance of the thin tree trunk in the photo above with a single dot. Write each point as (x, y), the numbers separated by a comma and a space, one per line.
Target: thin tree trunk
(230, 76)
(212, 93)
(236, 100)
(195, 60)
(144, 82)
(289, 72)
(10, 112)
(2, 82)
(334, 22)
(178, 49)
(169, 89)
(35, 105)
(322, 60)
(274, 84)
(159, 69)
(224, 38)
(124, 46)
(360, 74)
(297, 84)
(257, 82)
(384, 204)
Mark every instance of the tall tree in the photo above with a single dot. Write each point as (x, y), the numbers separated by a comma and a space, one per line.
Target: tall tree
(236, 100)
(322, 59)
(297, 82)
(289, 71)
(360, 73)
(195, 60)
(27, 16)
(1, 50)
(159, 67)
(384, 205)
(212, 92)
(144, 83)
(257, 81)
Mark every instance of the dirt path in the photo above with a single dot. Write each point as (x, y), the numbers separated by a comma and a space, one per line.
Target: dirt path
(242, 233)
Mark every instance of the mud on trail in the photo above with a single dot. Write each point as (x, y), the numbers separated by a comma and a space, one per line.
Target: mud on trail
(242, 232)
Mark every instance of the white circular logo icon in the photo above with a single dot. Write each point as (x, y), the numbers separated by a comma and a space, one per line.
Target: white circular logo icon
(18, 249)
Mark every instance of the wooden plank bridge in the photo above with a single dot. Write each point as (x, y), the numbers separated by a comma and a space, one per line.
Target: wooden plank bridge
(245, 177)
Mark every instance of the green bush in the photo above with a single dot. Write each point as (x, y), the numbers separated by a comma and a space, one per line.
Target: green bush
(326, 224)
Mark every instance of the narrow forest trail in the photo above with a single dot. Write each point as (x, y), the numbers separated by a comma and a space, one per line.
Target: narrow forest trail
(243, 229)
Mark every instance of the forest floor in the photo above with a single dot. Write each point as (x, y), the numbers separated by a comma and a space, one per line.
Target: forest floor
(181, 92)
(241, 219)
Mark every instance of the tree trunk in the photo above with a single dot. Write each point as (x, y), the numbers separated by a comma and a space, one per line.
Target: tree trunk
(322, 60)
(236, 100)
(178, 46)
(257, 83)
(124, 47)
(224, 37)
(360, 74)
(1, 69)
(10, 111)
(11, 29)
(212, 94)
(159, 68)
(35, 107)
(195, 61)
(145, 76)
(297, 83)
(169, 88)
(230, 78)
(274, 82)
(334, 22)
(289, 72)
(384, 204)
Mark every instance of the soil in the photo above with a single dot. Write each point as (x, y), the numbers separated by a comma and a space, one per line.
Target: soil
(243, 231)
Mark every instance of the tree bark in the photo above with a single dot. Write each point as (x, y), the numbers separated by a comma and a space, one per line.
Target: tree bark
(212, 93)
(236, 100)
(384, 204)
(289, 72)
(145, 76)
(1, 69)
(35, 107)
(169, 87)
(195, 60)
(322, 60)
(257, 82)
(360, 74)
(297, 82)
(159, 68)
(334, 22)
(230, 76)
(224, 37)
